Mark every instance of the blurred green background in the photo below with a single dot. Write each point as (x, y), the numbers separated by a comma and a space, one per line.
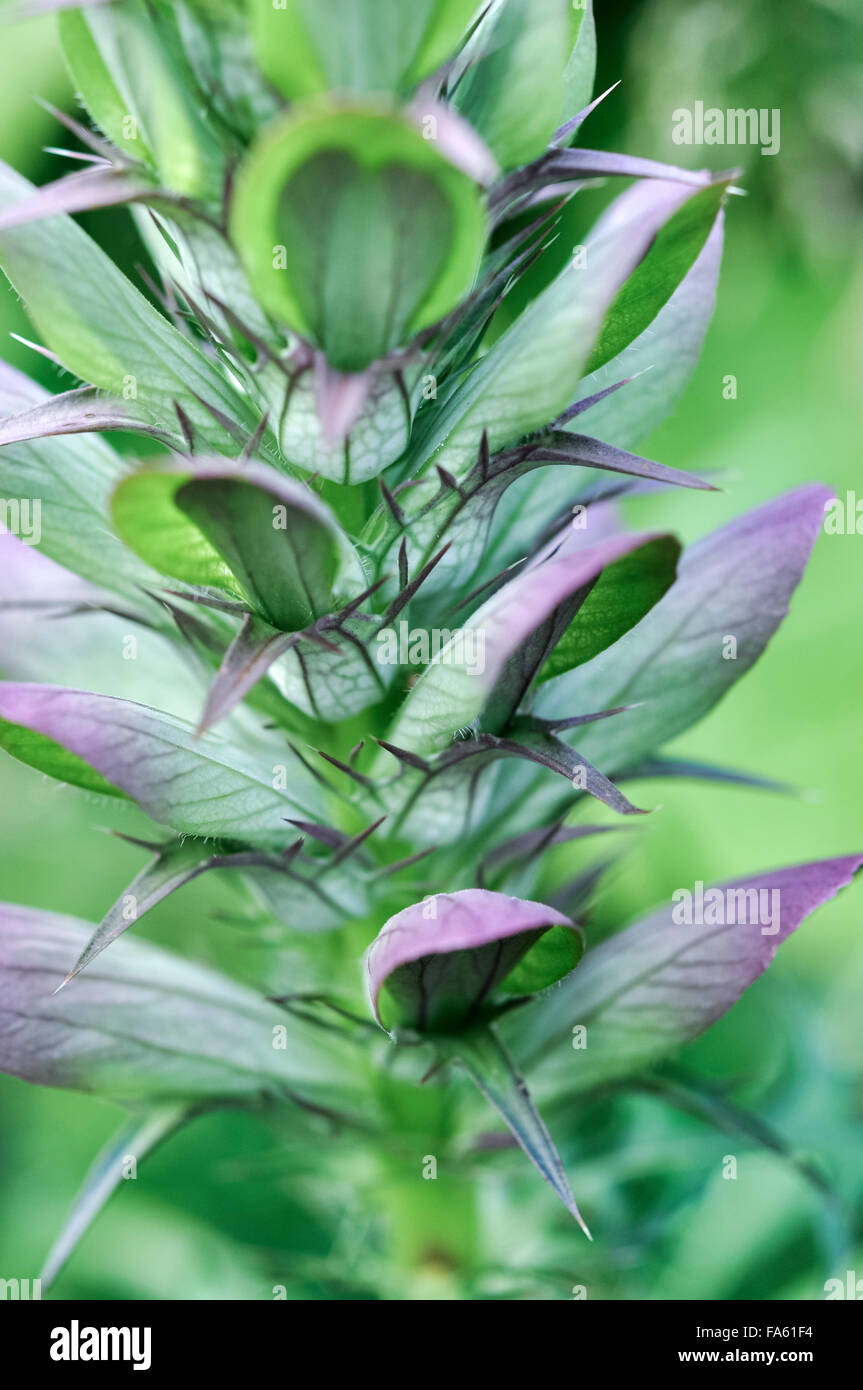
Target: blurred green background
(228, 1209)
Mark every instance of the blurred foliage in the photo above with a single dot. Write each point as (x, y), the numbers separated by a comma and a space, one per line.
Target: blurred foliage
(241, 1205)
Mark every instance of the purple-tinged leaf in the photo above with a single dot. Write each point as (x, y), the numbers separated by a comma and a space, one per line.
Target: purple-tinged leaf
(79, 192)
(621, 597)
(56, 627)
(571, 166)
(203, 786)
(561, 136)
(83, 411)
(176, 863)
(660, 361)
(493, 1071)
(146, 1026)
(105, 332)
(732, 592)
(456, 138)
(73, 480)
(438, 968)
(531, 373)
(440, 962)
(542, 747)
(678, 245)
(247, 660)
(660, 983)
(482, 663)
(587, 620)
(464, 513)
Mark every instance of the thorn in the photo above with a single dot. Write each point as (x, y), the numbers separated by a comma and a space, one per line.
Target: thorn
(227, 190)
(483, 457)
(407, 593)
(186, 426)
(435, 1067)
(575, 121)
(162, 296)
(257, 342)
(555, 725)
(208, 600)
(240, 436)
(94, 159)
(578, 407)
(311, 634)
(404, 756)
(404, 574)
(353, 844)
(486, 584)
(389, 869)
(310, 768)
(151, 845)
(354, 604)
(391, 502)
(448, 480)
(324, 834)
(254, 443)
(87, 137)
(288, 855)
(37, 347)
(349, 771)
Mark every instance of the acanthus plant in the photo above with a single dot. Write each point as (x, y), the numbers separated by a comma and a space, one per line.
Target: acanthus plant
(350, 429)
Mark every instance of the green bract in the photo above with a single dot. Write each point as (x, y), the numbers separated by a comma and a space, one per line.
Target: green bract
(305, 47)
(244, 529)
(139, 94)
(355, 231)
(511, 91)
